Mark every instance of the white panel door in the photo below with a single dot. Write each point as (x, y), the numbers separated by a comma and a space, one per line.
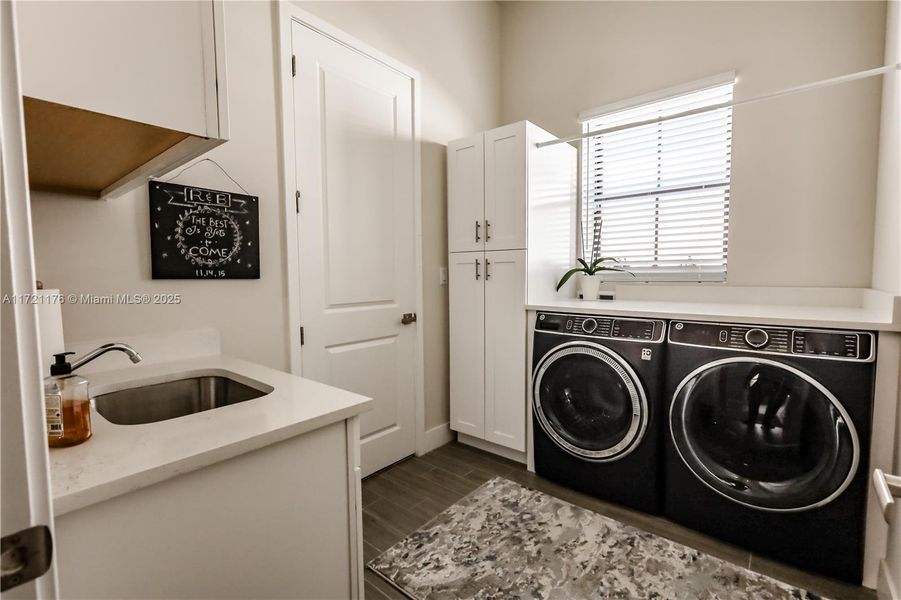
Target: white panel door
(354, 142)
(465, 194)
(505, 187)
(505, 348)
(466, 274)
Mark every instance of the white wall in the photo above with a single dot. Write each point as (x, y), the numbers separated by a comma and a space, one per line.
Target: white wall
(802, 203)
(90, 246)
(93, 246)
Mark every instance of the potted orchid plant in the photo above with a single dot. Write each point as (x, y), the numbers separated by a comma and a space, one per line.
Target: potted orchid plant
(590, 282)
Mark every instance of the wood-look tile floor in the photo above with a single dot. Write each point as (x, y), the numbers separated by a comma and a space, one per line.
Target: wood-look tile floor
(403, 497)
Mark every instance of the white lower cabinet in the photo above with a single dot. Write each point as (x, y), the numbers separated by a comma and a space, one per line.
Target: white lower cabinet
(281, 521)
(467, 342)
(505, 348)
(488, 346)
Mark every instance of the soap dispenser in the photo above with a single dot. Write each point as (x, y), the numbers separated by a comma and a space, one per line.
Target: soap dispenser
(67, 403)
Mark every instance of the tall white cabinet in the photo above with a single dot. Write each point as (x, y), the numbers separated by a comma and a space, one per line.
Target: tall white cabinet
(511, 209)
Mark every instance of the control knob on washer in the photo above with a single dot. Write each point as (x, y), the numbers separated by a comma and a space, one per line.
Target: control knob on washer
(589, 325)
(757, 338)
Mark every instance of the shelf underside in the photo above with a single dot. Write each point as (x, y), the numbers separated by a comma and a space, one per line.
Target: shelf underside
(77, 151)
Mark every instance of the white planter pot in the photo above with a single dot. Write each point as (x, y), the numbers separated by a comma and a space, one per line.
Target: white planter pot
(589, 286)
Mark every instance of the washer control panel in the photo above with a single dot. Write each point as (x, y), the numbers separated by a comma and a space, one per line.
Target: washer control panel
(819, 343)
(645, 330)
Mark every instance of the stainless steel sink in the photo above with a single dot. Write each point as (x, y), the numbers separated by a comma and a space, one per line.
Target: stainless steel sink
(172, 399)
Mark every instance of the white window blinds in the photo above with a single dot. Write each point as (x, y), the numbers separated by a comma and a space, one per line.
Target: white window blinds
(656, 197)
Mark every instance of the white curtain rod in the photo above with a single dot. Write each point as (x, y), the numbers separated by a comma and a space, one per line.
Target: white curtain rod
(792, 90)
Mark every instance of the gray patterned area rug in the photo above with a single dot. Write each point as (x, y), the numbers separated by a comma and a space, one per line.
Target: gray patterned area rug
(507, 541)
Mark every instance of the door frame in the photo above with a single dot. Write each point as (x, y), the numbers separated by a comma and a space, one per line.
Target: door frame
(24, 435)
(285, 15)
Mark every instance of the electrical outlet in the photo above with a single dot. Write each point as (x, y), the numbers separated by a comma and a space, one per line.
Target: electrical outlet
(442, 275)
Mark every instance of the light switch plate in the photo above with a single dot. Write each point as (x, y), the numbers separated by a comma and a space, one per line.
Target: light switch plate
(442, 275)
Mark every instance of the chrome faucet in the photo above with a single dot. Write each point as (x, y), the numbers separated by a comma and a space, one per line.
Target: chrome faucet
(131, 352)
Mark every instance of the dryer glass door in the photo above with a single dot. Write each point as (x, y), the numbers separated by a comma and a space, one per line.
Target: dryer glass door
(764, 434)
(589, 401)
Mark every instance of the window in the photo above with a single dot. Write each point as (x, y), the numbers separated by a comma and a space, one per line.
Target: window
(656, 197)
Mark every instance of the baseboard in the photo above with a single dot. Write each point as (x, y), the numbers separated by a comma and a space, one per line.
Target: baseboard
(491, 447)
(436, 437)
(887, 589)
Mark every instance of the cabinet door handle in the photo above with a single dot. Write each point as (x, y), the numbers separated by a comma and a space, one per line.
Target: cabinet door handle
(487, 272)
(477, 269)
(487, 230)
(478, 239)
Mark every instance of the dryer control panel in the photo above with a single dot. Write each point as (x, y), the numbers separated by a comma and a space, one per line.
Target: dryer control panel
(817, 343)
(644, 330)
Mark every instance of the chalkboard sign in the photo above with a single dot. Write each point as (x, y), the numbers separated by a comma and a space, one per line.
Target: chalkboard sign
(196, 233)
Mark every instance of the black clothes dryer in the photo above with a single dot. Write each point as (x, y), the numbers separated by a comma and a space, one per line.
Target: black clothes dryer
(768, 439)
(596, 406)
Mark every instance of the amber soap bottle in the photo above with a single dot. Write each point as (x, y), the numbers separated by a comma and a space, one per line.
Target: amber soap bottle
(67, 402)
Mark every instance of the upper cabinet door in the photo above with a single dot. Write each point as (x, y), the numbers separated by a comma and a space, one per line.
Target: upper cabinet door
(505, 187)
(505, 349)
(466, 194)
(152, 62)
(466, 273)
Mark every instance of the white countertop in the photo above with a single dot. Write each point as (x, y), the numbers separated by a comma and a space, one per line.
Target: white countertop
(806, 316)
(121, 458)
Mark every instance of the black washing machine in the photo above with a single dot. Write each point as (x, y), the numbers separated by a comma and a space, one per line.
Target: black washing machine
(596, 405)
(768, 439)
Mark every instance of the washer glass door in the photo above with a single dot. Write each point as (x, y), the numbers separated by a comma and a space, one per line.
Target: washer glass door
(764, 434)
(588, 400)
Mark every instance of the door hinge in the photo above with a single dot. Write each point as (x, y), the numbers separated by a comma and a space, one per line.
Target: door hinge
(26, 555)
(301, 336)
(297, 201)
(293, 66)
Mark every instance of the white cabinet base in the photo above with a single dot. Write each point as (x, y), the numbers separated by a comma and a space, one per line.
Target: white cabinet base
(272, 523)
(505, 349)
(466, 273)
(488, 346)
(502, 451)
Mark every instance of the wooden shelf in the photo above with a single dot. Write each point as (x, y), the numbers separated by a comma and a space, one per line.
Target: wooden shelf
(81, 152)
